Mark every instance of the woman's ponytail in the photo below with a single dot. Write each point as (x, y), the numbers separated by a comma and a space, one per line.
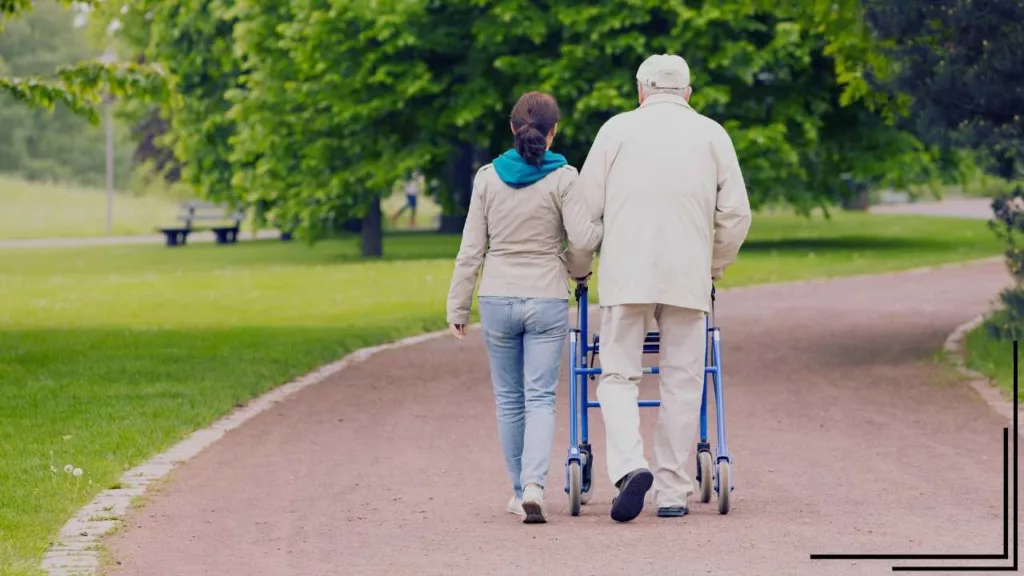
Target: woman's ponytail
(533, 119)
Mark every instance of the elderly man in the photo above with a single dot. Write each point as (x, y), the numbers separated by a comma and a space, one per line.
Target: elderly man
(668, 185)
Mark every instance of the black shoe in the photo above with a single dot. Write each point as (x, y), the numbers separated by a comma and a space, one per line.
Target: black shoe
(673, 512)
(632, 490)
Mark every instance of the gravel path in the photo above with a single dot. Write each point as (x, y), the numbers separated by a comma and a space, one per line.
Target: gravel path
(978, 208)
(848, 436)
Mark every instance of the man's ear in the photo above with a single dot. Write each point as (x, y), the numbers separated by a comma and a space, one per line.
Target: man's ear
(688, 93)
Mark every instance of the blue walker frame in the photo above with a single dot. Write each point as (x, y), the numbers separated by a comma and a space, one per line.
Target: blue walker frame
(713, 473)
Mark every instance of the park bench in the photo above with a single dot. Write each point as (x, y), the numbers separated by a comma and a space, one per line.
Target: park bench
(192, 212)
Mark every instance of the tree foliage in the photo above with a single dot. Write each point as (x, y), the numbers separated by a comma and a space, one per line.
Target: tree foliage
(962, 61)
(192, 39)
(79, 87)
(311, 109)
(37, 144)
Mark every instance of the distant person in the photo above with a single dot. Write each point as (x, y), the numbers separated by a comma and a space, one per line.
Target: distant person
(413, 187)
(520, 214)
(667, 184)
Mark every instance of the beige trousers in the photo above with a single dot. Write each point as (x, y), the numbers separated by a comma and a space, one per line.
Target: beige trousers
(681, 360)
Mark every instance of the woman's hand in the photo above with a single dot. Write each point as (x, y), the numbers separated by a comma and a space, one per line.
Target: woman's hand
(458, 330)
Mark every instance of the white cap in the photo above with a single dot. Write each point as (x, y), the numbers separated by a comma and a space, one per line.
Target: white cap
(664, 71)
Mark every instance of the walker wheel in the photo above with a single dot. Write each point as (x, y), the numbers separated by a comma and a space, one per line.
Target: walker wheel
(724, 487)
(705, 473)
(575, 483)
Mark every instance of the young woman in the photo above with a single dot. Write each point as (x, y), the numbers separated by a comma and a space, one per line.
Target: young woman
(521, 213)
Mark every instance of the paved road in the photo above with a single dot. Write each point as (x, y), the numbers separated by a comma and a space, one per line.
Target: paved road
(979, 208)
(848, 437)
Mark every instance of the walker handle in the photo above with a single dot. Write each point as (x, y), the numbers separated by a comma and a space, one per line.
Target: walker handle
(581, 289)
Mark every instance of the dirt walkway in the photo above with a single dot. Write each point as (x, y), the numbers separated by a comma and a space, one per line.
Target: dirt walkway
(848, 437)
(977, 208)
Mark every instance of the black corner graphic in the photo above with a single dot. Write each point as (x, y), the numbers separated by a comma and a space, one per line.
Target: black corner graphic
(1007, 524)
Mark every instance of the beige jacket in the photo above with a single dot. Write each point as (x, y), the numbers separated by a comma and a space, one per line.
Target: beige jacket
(519, 236)
(668, 186)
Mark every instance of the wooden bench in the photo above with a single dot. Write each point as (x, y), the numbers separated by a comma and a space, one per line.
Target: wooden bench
(192, 212)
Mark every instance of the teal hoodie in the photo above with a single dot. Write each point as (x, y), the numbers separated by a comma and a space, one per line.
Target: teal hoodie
(517, 173)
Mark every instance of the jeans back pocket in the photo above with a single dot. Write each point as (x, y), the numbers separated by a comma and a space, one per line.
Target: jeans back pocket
(548, 315)
(496, 315)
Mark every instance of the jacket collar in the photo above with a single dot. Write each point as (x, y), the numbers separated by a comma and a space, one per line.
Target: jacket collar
(665, 99)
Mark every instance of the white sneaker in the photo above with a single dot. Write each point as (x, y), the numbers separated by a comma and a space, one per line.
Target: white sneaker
(533, 504)
(515, 506)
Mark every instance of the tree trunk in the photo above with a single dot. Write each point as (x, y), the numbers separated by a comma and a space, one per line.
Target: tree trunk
(373, 232)
(462, 173)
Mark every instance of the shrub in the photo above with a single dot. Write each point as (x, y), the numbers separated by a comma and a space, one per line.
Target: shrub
(1008, 224)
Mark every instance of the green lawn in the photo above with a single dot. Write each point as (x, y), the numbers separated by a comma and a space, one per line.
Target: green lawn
(782, 248)
(40, 210)
(37, 210)
(109, 355)
(992, 358)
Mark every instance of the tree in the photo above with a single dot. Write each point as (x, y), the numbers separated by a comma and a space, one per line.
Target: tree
(339, 99)
(79, 87)
(962, 61)
(313, 110)
(203, 47)
(34, 143)
(325, 125)
(191, 40)
(125, 25)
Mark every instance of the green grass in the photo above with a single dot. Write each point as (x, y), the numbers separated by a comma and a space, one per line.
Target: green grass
(991, 357)
(41, 210)
(783, 248)
(37, 210)
(984, 186)
(111, 354)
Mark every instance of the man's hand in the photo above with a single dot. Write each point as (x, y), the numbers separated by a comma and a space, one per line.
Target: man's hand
(458, 330)
(583, 281)
(716, 275)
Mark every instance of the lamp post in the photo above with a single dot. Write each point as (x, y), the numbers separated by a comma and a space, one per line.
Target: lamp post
(109, 57)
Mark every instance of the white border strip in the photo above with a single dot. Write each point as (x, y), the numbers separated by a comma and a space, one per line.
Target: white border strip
(987, 389)
(77, 549)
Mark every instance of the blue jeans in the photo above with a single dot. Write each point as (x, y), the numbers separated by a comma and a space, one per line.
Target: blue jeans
(525, 338)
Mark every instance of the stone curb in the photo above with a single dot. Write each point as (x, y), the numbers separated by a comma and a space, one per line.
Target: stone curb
(77, 549)
(986, 388)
